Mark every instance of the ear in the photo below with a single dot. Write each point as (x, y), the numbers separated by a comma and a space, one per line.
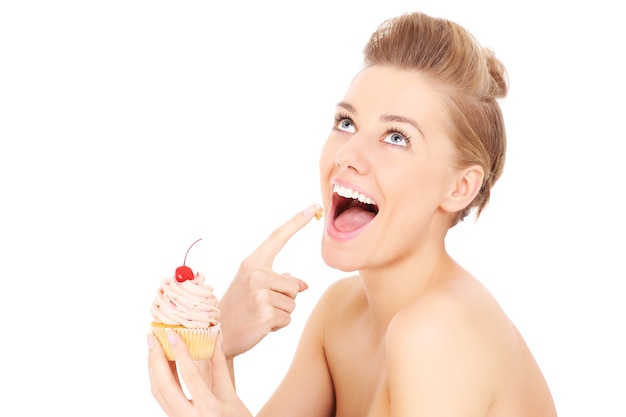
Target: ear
(464, 189)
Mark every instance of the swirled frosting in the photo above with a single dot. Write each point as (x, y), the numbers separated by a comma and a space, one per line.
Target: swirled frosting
(190, 303)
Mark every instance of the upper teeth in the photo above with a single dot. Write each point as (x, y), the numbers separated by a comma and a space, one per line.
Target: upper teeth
(350, 193)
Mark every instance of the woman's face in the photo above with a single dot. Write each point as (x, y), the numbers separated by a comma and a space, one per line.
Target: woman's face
(385, 170)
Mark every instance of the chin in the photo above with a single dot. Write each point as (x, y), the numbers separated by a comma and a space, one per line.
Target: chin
(340, 260)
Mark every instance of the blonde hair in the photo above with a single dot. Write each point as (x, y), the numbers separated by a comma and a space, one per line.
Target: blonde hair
(470, 79)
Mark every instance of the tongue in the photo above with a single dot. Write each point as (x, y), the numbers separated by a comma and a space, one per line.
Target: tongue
(353, 219)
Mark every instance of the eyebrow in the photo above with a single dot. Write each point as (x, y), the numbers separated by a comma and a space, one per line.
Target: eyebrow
(385, 117)
(347, 106)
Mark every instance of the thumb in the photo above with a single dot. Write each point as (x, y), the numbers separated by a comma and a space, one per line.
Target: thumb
(301, 284)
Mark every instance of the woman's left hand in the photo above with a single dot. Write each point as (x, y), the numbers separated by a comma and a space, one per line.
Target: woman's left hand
(208, 382)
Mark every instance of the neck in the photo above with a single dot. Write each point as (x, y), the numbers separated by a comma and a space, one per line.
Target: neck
(390, 288)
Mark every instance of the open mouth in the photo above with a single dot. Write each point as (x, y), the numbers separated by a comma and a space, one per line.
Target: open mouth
(353, 210)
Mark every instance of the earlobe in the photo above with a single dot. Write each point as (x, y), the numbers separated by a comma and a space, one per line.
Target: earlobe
(465, 189)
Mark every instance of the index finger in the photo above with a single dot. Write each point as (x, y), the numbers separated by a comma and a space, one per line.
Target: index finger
(267, 251)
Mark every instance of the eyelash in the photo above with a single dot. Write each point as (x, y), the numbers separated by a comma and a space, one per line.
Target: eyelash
(402, 132)
(342, 116)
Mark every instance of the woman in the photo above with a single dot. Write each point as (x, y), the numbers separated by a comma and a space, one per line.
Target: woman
(418, 141)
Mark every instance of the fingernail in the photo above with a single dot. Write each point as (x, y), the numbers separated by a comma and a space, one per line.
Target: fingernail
(150, 342)
(311, 209)
(171, 337)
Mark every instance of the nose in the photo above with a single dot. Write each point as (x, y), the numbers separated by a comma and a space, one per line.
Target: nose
(353, 155)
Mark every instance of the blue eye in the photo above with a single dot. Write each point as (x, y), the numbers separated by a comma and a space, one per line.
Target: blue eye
(345, 125)
(397, 139)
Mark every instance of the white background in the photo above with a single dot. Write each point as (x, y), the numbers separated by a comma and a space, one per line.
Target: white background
(129, 129)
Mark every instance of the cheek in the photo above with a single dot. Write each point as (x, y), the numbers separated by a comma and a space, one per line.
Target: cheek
(327, 159)
(427, 189)
(326, 168)
(417, 186)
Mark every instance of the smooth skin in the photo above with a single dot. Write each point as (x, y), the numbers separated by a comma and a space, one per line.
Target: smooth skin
(412, 333)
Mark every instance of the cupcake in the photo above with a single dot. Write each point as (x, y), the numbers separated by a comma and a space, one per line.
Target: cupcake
(186, 305)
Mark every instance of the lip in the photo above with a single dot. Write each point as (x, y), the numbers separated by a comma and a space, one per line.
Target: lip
(331, 230)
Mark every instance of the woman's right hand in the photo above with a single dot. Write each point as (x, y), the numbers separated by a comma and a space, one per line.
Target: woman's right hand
(260, 300)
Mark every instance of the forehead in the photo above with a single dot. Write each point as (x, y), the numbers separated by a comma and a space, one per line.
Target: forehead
(379, 90)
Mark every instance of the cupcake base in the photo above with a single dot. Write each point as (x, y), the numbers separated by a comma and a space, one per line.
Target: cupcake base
(200, 342)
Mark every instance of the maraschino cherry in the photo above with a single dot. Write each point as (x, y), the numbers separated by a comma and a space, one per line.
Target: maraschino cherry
(184, 273)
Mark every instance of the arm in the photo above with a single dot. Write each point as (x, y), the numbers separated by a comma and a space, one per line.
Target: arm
(307, 388)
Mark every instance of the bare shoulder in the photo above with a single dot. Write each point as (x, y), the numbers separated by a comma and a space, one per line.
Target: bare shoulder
(460, 307)
(343, 295)
(344, 286)
(455, 341)
(444, 345)
(334, 307)
(459, 318)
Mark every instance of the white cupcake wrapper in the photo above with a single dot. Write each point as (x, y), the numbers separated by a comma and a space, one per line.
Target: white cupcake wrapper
(200, 342)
